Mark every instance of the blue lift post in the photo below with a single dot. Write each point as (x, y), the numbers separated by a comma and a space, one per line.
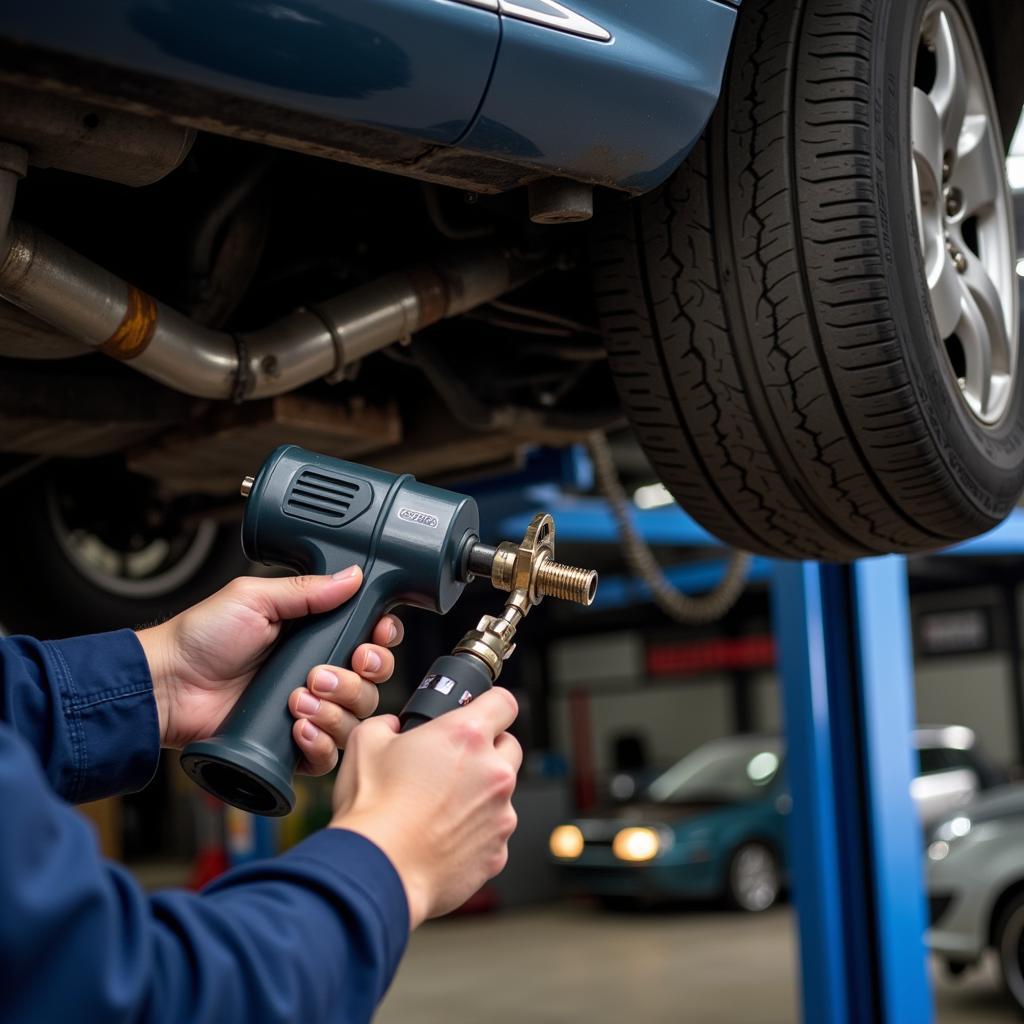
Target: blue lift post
(855, 849)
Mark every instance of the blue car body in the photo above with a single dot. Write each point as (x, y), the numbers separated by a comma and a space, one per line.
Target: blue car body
(697, 864)
(708, 827)
(461, 91)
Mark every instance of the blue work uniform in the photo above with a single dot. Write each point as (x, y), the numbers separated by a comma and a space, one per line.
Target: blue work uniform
(313, 935)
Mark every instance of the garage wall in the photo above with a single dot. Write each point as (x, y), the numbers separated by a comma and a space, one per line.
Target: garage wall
(673, 716)
(603, 661)
(971, 690)
(673, 720)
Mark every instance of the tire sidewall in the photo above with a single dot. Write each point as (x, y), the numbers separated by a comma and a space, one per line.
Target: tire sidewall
(985, 461)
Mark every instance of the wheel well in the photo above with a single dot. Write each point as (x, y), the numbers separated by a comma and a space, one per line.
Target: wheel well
(1005, 899)
(1000, 26)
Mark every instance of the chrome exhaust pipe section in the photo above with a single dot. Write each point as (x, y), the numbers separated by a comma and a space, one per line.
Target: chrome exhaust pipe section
(87, 302)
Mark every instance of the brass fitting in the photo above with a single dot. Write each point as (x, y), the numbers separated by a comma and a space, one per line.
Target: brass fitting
(529, 566)
(567, 582)
(491, 641)
(528, 571)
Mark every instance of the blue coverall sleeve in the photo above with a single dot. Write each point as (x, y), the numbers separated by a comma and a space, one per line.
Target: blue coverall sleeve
(86, 707)
(314, 935)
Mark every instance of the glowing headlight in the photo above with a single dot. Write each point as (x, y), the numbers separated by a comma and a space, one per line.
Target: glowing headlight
(566, 842)
(955, 828)
(945, 836)
(637, 844)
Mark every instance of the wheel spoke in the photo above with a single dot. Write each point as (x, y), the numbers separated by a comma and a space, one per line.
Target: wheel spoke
(926, 140)
(982, 289)
(977, 380)
(977, 172)
(946, 290)
(983, 335)
(949, 93)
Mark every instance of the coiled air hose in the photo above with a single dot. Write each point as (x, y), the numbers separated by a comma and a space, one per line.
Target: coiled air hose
(683, 608)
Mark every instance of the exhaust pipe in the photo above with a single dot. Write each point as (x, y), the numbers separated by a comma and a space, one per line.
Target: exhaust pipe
(89, 303)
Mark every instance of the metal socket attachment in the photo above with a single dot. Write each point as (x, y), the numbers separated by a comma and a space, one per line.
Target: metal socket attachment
(246, 489)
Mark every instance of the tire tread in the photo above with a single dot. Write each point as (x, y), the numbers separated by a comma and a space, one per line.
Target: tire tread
(760, 361)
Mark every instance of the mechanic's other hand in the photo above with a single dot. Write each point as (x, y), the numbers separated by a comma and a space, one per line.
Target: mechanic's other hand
(436, 800)
(202, 659)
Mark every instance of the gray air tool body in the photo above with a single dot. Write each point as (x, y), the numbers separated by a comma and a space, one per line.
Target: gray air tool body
(416, 545)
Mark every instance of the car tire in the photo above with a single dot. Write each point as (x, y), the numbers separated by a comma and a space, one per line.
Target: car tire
(1009, 946)
(753, 881)
(58, 581)
(779, 316)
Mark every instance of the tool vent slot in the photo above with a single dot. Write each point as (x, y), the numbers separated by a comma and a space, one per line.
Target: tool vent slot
(327, 498)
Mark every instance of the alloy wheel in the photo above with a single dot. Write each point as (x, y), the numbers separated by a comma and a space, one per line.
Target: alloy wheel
(964, 212)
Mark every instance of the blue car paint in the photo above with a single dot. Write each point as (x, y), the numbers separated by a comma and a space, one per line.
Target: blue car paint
(697, 865)
(622, 113)
(419, 67)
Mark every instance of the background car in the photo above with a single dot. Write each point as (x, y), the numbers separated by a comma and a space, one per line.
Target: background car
(975, 879)
(361, 231)
(713, 825)
(952, 770)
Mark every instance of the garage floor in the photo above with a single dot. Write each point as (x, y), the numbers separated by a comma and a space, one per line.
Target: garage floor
(573, 963)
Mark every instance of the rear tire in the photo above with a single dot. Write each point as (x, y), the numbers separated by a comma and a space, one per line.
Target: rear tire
(767, 311)
(1009, 945)
(88, 548)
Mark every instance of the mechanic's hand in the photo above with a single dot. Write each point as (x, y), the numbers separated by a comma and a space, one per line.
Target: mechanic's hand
(436, 800)
(202, 659)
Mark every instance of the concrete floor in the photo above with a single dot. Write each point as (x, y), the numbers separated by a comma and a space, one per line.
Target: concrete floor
(571, 962)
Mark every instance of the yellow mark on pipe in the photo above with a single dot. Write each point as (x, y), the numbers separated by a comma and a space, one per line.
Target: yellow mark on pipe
(135, 331)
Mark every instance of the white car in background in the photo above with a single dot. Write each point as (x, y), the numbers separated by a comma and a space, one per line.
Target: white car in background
(952, 770)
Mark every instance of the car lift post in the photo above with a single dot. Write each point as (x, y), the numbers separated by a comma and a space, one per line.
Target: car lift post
(843, 634)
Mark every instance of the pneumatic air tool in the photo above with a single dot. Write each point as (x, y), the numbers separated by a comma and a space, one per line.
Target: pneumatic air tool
(416, 545)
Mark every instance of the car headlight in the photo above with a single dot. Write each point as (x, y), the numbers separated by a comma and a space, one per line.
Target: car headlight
(946, 834)
(638, 844)
(566, 842)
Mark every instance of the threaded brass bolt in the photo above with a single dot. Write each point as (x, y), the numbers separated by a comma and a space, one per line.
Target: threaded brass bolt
(567, 582)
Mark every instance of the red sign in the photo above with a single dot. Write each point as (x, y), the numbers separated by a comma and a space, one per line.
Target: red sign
(719, 655)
